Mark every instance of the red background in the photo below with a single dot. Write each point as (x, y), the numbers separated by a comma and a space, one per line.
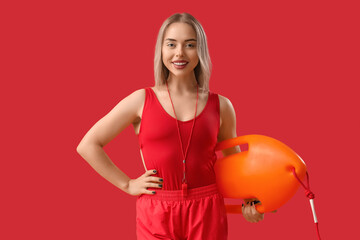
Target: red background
(288, 67)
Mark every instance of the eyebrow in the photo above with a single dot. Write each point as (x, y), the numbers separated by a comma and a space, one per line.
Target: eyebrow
(170, 39)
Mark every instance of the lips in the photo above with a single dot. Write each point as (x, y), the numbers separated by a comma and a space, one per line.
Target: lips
(180, 61)
(179, 64)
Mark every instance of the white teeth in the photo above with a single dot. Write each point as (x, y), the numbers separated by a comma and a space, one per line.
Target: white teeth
(179, 63)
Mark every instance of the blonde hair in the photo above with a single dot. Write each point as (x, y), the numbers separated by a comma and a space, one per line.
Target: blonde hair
(202, 70)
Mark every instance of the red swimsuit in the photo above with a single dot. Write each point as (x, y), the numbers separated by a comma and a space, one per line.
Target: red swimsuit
(165, 215)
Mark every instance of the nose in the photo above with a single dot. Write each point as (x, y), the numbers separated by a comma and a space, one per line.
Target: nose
(179, 51)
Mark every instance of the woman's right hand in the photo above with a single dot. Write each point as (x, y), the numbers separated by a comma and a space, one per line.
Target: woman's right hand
(139, 185)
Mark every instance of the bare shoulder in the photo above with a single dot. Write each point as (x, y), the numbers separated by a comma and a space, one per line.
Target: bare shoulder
(226, 108)
(225, 104)
(132, 104)
(137, 100)
(224, 101)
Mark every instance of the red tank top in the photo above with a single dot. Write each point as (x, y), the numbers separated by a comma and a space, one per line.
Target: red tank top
(159, 143)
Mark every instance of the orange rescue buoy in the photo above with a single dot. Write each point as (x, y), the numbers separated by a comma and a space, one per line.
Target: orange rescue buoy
(264, 171)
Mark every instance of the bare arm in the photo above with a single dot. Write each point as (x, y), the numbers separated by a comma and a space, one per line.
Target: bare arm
(227, 124)
(106, 129)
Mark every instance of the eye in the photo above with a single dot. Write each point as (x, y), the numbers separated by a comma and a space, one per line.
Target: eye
(170, 45)
(190, 45)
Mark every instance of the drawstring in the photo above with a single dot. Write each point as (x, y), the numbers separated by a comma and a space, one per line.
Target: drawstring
(309, 194)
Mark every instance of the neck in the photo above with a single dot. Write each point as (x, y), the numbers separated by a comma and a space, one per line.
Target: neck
(182, 84)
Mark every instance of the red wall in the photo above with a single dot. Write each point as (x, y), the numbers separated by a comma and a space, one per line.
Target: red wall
(289, 68)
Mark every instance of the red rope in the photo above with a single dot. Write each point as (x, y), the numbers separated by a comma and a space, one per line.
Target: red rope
(309, 194)
(184, 182)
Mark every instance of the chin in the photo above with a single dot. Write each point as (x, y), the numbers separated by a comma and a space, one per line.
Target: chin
(177, 74)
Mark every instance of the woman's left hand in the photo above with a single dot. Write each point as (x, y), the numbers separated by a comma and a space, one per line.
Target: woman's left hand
(250, 213)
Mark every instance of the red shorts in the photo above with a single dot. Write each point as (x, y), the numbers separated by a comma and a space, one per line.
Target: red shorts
(166, 215)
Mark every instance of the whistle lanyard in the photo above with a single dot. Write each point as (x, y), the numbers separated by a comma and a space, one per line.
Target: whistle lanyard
(184, 182)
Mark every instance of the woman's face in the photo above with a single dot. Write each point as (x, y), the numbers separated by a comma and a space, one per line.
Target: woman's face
(179, 50)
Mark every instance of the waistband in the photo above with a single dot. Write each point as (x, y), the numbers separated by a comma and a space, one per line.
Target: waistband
(176, 195)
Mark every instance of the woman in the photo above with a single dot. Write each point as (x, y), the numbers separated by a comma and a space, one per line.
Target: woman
(178, 122)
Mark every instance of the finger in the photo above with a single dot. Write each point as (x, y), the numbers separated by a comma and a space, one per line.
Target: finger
(248, 210)
(156, 185)
(257, 202)
(150, 172)
(246, 213)
(243, 210)
(253, 209)
(152, 192)
(154, 179)
(253, 212)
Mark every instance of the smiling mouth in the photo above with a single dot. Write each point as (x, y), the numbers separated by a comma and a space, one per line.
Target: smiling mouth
(180, 63)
